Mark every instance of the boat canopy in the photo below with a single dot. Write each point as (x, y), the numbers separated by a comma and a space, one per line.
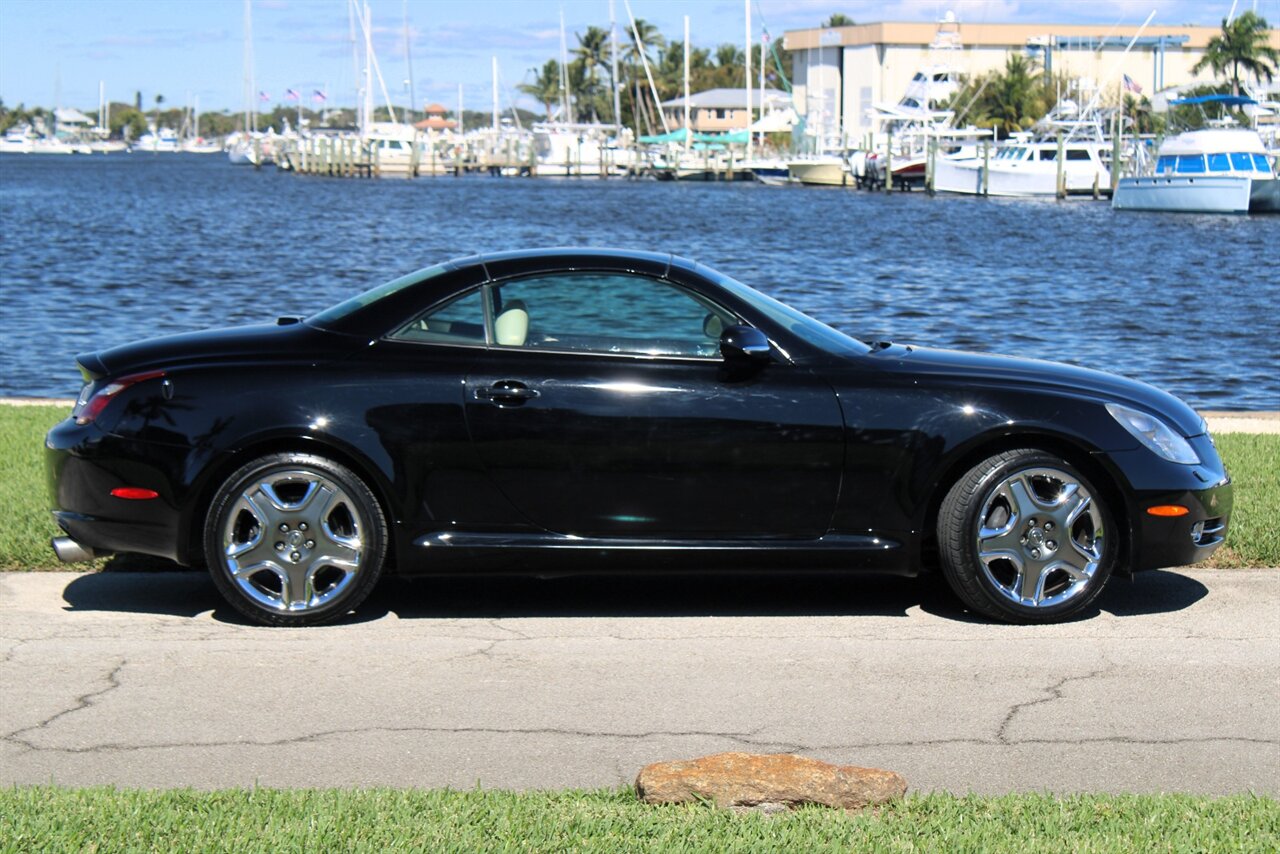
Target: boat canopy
(1225, 100)
(737, 138)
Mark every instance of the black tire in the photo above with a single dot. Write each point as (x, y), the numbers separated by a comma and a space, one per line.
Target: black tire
(294, 540)
(1026, 570)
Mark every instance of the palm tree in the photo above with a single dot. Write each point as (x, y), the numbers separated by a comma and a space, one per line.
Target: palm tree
(545, 86)
(1243, 44)
(159, 101)
(838, 20)
(1013, 99)
(593, 52)
(729, 56)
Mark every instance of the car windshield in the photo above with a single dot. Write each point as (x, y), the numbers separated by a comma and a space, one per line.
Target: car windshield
(802, 325)
(344, 309)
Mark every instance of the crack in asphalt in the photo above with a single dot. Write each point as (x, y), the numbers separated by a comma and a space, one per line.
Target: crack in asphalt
(80, 703)
(747, 739)
(1054, 691)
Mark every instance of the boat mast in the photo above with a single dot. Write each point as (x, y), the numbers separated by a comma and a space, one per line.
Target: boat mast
(355, 65)
(495, 100)
(566, 100)
(250, 113)
(688, 132)
(408, 55)
(613, 65)
(746, 4)
(644, 61)
(365, 24)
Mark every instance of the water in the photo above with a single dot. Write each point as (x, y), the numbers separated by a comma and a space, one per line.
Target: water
(100, 251)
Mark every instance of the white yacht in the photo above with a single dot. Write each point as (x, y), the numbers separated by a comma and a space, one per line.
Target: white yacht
(1220, 170)
(918, 115)
(583, 148)
(158, 141)
(1027, 165)
(19, 139)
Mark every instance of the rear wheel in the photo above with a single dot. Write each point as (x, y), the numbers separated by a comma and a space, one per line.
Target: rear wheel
(294, 540)
(1024, 537)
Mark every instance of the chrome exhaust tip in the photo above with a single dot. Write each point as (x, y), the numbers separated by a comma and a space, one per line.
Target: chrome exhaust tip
(69, 551)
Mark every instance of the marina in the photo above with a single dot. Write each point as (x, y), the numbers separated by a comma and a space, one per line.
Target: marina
(104, 250)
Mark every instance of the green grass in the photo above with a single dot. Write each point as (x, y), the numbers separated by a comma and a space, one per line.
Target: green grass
(56, 819)
(1254, 463)
(26, 527)
(25, 524)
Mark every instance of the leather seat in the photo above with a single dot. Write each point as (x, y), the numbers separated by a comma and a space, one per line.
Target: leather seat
(511, 327)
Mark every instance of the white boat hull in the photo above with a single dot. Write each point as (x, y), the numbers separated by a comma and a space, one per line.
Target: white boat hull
(1017, 179)
(824, 173)
(1201, 194)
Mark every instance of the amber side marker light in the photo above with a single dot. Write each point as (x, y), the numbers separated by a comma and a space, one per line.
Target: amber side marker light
(1168, 510)
(134, 493)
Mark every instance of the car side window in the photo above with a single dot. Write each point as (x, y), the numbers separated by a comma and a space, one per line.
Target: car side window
(460, 321)
(607, 313)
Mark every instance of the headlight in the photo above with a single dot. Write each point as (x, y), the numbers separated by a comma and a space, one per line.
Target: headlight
(1155, 434)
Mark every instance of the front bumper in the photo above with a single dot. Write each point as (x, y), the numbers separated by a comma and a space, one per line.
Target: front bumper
(1204, 489)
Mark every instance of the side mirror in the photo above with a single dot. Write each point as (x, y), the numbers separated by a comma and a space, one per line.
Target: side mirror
(745, 343)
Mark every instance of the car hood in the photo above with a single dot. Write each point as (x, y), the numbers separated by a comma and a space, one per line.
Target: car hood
(294, 340)
(985, 368)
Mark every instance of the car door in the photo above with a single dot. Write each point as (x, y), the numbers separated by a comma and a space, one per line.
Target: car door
(603, 408)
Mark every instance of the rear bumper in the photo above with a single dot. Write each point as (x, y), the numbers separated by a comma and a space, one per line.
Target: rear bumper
(83, 465)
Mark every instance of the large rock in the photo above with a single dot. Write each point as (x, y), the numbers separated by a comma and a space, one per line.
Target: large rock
(750, 780)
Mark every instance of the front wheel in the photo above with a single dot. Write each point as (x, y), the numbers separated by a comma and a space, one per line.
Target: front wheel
(1024, 537)
(294, 540)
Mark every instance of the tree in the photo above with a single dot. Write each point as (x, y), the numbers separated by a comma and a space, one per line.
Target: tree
(1138, 111)
(1243, 44)
(545, 86)
(838, 20)
(729, 56)
(593, 52)
(159, 101)
(1013, 99)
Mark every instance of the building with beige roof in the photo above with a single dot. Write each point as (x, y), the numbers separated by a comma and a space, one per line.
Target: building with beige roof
(840, 73)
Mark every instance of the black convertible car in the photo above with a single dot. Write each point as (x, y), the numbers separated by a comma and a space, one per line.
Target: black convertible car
(553, 411)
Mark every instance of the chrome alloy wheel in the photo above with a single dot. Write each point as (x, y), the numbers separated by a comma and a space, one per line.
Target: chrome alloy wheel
(1040, 537)
(292, 541)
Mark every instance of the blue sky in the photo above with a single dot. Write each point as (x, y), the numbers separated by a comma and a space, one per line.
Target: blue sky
(185, 49)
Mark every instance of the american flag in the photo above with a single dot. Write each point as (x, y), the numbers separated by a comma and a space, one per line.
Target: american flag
(291, 94)
(1131, 85)
(264, 96)
(318, 96)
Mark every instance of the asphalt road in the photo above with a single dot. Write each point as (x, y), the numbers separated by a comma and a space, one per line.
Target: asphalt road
(146, 679)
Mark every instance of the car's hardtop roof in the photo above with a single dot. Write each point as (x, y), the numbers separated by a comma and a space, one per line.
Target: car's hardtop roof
(501, 265)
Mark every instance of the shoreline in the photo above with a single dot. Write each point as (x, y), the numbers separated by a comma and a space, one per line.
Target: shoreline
(1220, 420)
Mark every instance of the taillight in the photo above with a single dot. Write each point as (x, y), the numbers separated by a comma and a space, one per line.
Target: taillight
(90, 405)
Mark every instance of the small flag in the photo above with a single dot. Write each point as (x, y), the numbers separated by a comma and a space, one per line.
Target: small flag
(1131, 85)
(264, 96)
(292, 94)
(764, 37)
(318, 96)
